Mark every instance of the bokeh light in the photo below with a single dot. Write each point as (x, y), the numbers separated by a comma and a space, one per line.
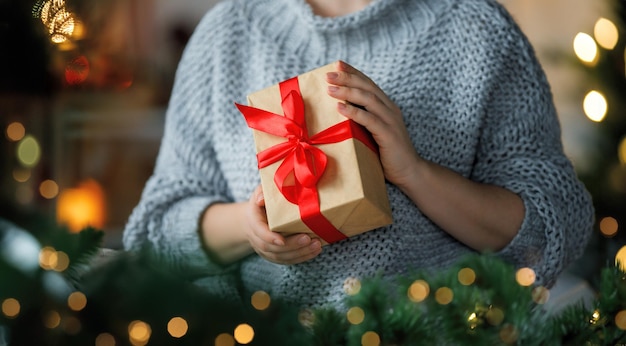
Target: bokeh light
(352, 286)
(28, 151)
(595, 317)
(52, 319)
(139, 333)
(105, 339)
(260, 300)
(466, 276)
(21, 175)
(77, 301)
(608, 226)
(71, 325)
(595, 106)
(244, 333)
(525, 276)
(48, 189)
(15, 131)
(11, 307)
(509, 334)
(82, 206)
(541, 295)
(77, 70)
(606, 33)
(370, 338)
(585, 48)
(224, 339)
(494, 316)
(620, 320)
(177, 327)
(620, 258)
(418, 291)
(444, 295)
(355, 315)
(621, 151)
(48, 258)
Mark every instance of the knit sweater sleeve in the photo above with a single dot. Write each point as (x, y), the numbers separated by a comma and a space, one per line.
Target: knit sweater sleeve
(187, 177)
(521, 150)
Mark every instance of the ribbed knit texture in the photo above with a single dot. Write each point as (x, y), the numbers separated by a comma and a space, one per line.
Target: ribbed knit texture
(474, 99)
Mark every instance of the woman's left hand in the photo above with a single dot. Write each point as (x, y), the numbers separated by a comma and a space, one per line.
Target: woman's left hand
(379, 115)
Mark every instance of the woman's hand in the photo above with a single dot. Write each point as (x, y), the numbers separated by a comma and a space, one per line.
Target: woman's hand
(273, 246)
(380, 116)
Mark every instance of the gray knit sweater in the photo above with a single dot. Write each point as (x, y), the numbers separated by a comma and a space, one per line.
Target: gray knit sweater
(474, 99)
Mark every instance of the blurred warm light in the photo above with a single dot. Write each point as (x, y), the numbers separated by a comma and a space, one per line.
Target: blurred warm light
(24, 194)
(370, 339)
(63, 262)
(466, 276)
(595, 106)
(585, 48)
(444, 295)
(177, 327)
(244, 334)
(608, 226)
(21, 175)
(77, 301)
(620, 258)
(11, 307)
(105, 339)
(77, 70)
(52, 319)
(525, 276)
(224, 339)
(495, 316)
(58, 20)
(595, 317)
(620, 320)
(621, 151)
(541, 295)
(260, 300)
(48, 189)
(82, 206)
(28, 151)
(15, 131)
(355, 315)
(71, 325)
(139, 333)
(352, 286)
(509, 334)
(418, 291)
(606, 33)
(48, 258)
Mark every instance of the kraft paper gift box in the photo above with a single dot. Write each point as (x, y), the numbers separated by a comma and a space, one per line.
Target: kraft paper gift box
(296, 129)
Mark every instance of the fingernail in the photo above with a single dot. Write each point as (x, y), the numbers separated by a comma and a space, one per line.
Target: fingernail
(333, 88)
(278, 242)
(304, 240)
(342, 106)
(315, 245)
(332, 75)
(259, 197)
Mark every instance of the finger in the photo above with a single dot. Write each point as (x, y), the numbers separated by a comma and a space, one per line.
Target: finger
(258, 197)
(371, 122)
(364, 99)
(346, 75)
(296, 255)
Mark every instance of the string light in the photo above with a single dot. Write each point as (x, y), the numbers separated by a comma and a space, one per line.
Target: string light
(540, 295)
(139, 333)
(621, 151)
(28, 151)
(244, 334)
(606, 33)
(15, 131)
(370, 338)
(11, 307)
(444, 295)
(177, 327)
(585, 48)
(595, 106)
(466, 276)
(105, 339)
(48, 189)
(355, 315)
(77, 301)
(620, 258)
(608, 226)
(224, 339)
(418, 291)
(620, 320)
(260, 300)
(525, 276)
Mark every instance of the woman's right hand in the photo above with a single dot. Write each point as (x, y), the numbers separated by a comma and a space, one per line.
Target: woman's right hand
(272, 246)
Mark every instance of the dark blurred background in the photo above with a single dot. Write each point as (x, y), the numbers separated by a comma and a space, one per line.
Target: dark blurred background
(84, 85)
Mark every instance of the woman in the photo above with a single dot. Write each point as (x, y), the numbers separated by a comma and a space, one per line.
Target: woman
(460, 108)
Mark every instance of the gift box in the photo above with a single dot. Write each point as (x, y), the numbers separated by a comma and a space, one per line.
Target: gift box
(320, 172)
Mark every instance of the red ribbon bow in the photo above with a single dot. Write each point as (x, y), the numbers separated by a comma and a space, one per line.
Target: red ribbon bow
(300, 156)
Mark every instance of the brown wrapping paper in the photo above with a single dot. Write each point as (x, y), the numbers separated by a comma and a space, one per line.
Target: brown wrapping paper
(352, 191)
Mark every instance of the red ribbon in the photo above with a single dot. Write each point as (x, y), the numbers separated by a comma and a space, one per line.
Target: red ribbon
(300, 156)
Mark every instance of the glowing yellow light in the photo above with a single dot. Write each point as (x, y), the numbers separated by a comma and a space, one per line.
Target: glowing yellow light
(494, 316)
(585, 48)
(370, 339)
(466, 276)
(472, 319)
(77, 301)
(11, 307)
(540, 295)
(525, 276)
(63, 261)
(139, 332)
(105, 339)
(355, 315)
(418, 291)
(306, 317)
(595, 106)
(352, 286)
(244, 333)
(71, 325)
(177, 327)
(52, 319)
(21, 175)
(608, 226)
(508, 334)
(606, 33)
(82, 206)
(28, 151)
(620, 320)
(48, 189)
(444, 295)
(224, 339)
(621, 151)
(620, 258)
(48, 258)
(595, 317)
(15, 131)
(260, 300)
